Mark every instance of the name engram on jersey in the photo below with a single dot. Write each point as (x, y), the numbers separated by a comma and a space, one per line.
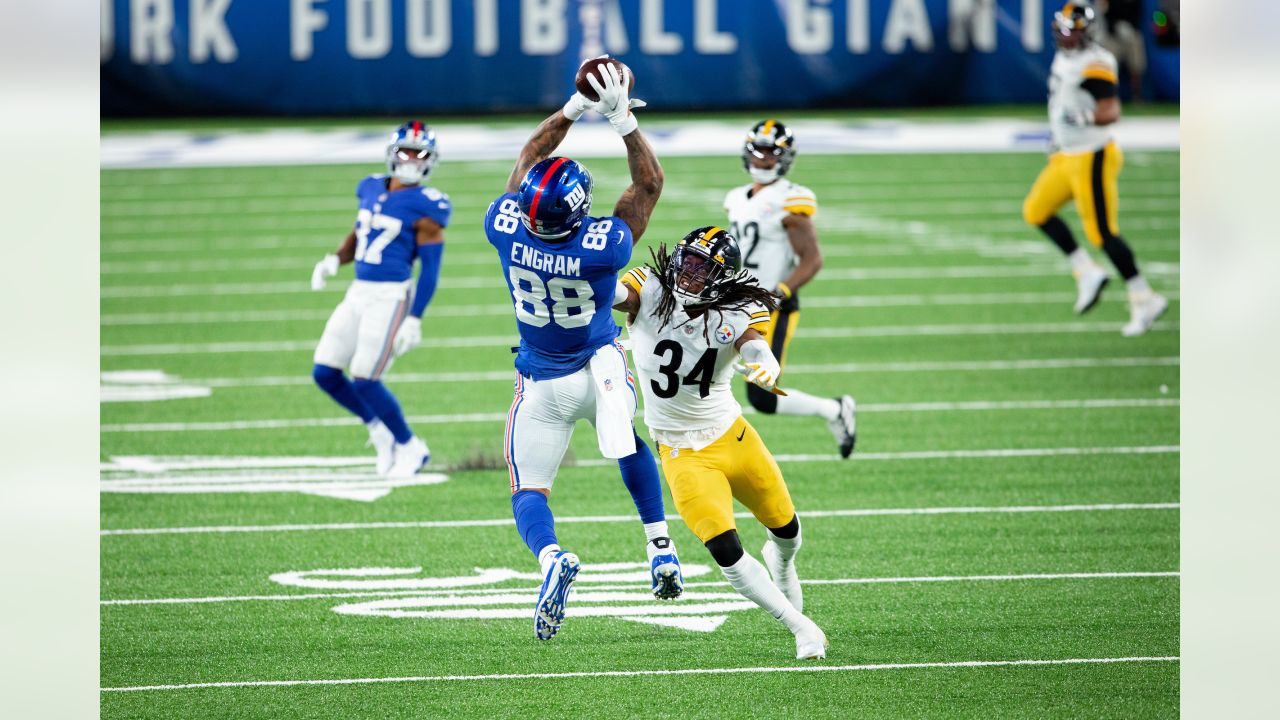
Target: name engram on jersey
(755, 219)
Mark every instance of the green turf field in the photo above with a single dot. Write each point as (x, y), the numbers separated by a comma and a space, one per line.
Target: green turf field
(1013, 498)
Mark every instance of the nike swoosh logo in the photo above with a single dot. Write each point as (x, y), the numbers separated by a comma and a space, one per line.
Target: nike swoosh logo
(621, 236)
(741, 434)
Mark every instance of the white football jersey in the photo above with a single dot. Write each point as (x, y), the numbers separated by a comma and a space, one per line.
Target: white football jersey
(756, 221)
(1066, 95)
(687, 378)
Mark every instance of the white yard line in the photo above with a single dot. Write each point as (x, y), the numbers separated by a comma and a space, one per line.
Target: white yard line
(596, 519)
(507, 341)
(532, 592)
(495, 417)
(650, 673)
(445, 310)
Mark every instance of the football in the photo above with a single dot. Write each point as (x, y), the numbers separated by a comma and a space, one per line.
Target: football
(592, 66)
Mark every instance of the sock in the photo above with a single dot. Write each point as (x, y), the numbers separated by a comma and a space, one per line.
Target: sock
(383, 404)
(655, 530)
(332, 381)
(1080, 261)
(1137, 285)
(544, 557)
(534, 521)
(800, 403)
(787, 547)
(1060, 234)
(640, 475)
(752, 581)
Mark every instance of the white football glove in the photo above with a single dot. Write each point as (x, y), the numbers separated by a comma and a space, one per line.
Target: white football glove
(614, 102)
(757, 374)
(326, 268)
(408, 337)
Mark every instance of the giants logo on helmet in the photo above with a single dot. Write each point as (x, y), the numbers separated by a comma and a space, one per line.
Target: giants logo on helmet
(576, 196)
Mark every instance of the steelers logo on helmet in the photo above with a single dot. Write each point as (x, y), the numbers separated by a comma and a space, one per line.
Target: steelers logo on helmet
(1073, 25)
(768, 151)
(412, 152)
(702, 265)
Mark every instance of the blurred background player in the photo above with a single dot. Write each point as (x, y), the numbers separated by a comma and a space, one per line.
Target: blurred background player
(1121, 35)
(380, 318)
(562, 267)
(1085, 165)
(690, 319)
(773, 218)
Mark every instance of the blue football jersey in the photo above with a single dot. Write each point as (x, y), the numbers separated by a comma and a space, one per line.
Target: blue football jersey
(562, 292)
(386, 242)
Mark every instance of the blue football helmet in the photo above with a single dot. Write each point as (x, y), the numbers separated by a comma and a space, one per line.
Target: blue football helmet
(554, 197)
(412, 152)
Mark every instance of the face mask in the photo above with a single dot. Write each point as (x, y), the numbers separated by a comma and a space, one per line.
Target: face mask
(763, 175)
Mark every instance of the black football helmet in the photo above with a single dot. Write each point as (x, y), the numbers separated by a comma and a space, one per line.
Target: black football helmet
(770, 138)
(1073, 25)
(702, 264)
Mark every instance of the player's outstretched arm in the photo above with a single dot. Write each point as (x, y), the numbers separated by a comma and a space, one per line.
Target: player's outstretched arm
(638, 200)
(545, 139)
(328, 267)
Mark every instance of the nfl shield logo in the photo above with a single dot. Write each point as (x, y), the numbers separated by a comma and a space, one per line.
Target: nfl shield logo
(608, 384)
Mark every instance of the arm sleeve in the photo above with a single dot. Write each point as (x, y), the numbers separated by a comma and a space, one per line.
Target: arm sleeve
(757, 351)
(1098, 88)
(428, 275)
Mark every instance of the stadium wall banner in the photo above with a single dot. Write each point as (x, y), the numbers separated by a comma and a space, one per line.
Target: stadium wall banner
(398, 56)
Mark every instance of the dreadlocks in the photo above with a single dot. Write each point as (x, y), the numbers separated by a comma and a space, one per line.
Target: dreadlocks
(739, 292)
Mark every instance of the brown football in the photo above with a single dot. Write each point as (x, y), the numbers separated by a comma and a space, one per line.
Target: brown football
(593, 66)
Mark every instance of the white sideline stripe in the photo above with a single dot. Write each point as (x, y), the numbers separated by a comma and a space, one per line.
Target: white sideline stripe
(975, 405)
(649, 673)
(925, 366)
(813, 333)
(593, 519)
(704, 584)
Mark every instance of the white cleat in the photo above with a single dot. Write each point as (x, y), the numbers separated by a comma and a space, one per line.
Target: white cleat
(410, 457)
(845, 427)
(1089, 286)
(811, 642)
(383, 443)
(784, 574)
(1144, 310)
(557, 580)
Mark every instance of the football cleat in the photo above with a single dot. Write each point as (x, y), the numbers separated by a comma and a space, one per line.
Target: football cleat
(811, 642)
(552, 598)
(410, 457)
(1144, 309)
(784, 574)
(664, 569)
(845, 427)
(383, 443)
(1089, 286)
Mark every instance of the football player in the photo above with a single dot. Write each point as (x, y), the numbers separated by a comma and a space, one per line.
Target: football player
(380, 318)
(691, 315)
(773, 219)
(1084, 165)
(561, 265)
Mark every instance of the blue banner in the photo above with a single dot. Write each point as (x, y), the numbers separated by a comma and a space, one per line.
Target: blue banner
(405, 56)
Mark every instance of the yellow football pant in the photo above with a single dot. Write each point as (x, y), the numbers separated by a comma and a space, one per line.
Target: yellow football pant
(1090, 179)
(704, 482)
